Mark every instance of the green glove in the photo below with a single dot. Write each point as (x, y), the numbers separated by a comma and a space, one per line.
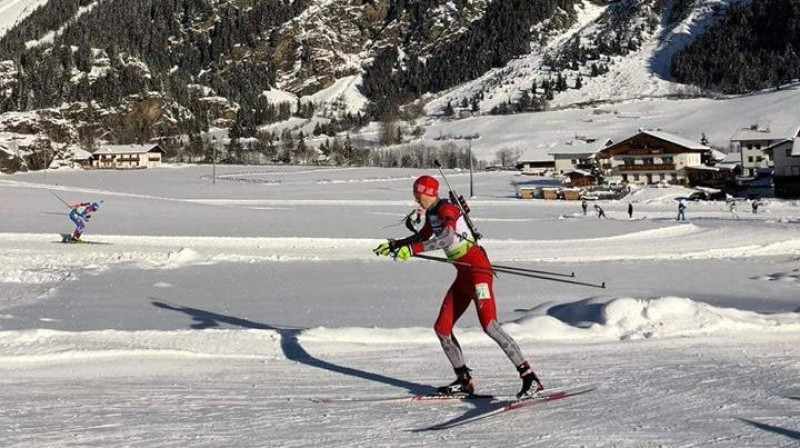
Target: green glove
(384, 249)
(403, 254)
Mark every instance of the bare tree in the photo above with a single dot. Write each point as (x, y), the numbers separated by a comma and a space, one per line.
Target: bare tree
(388, 132)
(507, 157)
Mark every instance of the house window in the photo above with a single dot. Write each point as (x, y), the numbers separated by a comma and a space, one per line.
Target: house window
(636, 177)
(667, 160)
(674, 176)
(759, 158)
(749, 146)
(750, 159)
(758, 146)
(647, 160)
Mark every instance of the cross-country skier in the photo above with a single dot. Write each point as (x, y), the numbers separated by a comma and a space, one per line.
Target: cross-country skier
(446, 228)
(732, 208)
(600, 212)
(79, 214)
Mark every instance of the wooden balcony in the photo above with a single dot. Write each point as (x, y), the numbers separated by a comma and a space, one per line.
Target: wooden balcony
(647, 167)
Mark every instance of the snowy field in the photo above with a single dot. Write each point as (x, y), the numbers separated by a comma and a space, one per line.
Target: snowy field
(213, 314)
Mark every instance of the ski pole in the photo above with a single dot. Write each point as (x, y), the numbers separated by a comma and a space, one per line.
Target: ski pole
(507, 268)
(66, 203)
(602, 285)
(513, 272)
(59, 198)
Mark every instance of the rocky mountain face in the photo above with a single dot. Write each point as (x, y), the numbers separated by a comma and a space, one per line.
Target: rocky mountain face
(132, 70)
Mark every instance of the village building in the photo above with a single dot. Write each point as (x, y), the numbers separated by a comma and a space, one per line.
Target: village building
(577, 154)
(127, 156)
(535, 161)
(731, 162)
(81, 157)
(708, 176)
(786, 175)
(651, 157)
(754, 143)
(580, 178)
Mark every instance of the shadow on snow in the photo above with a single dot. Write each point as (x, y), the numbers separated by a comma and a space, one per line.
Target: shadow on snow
(289, 344)
(773, 429)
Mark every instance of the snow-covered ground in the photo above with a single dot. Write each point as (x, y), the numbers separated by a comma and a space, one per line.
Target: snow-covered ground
(13, 11)
(536, 134)
(213, 314)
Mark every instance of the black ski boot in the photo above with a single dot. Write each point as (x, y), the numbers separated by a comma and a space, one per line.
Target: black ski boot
(530, 382)
(463, 385)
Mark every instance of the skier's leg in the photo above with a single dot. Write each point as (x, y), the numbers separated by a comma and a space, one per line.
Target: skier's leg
(487, 314)
(79, 226)
(451, 310)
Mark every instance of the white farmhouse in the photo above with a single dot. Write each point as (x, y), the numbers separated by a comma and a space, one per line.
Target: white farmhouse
(754, 143)
(576, 154)
(651, 157)
(127, 156)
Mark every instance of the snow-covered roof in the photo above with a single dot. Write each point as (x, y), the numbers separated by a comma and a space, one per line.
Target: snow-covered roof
(731, 161)
(780, 142)
(750, 134)
(578, 147)
(535, 155)
(705, 168)
(127, 149)
(718, 155)
(680, 141)
(581, 172)
(80, 154)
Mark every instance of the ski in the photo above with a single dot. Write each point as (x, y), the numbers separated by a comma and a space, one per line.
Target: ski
(67, 239)
(433, 397)
(83, 242)
(502, 406)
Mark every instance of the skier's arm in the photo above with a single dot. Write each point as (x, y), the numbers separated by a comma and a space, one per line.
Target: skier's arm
(449, 217)
(391, 246)
(423, 235)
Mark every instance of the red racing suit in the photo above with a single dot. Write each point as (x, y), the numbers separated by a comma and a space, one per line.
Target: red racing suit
(446, 229)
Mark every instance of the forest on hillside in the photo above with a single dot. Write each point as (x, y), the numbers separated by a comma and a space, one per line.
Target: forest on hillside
(753, 47)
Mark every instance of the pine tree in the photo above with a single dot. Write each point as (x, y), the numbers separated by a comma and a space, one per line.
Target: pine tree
(449, 111)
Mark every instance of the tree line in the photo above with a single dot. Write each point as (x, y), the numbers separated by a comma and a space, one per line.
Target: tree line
(753, 47)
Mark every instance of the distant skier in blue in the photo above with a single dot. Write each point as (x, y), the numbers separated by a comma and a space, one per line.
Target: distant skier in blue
(79, 214)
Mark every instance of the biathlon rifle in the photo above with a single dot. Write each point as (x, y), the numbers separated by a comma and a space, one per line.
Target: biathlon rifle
(459, 201)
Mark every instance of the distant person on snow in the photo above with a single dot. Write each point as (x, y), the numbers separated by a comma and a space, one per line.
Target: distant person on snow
(79, 214)
(630, 210)
(584, 206)
(755, 205)
(446, 228)
(600, 212)
(681, 211)
(732, 206)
